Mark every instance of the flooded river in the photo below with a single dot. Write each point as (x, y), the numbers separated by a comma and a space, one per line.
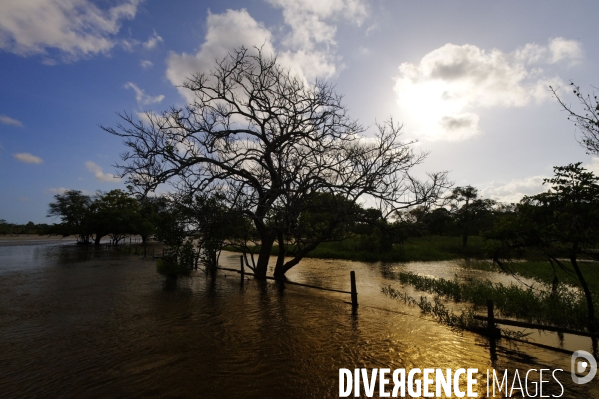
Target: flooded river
(99, 323)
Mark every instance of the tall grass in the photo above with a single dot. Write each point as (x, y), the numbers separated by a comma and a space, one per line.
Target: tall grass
(542, 271)
(464, 321)
(564, 308)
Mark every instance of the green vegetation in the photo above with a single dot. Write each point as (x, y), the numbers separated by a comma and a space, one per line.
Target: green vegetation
(177, 263)
(541, 271)
(115, 214)
(563, 307)
(13, 229)
(464, 321)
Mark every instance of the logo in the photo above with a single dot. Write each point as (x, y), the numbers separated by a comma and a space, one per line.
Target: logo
(578, 366)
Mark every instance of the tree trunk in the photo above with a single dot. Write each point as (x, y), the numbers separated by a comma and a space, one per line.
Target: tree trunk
(464, 240)
(280, 271)
(97, 239)
(282, 252)
(591, 309)
(266, 242)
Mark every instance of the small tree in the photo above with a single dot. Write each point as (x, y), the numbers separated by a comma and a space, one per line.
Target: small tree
(469, 211)
(73, 209)
(212, 224)
(115, 213)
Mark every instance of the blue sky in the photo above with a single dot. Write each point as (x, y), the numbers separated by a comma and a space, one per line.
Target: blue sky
(468, 79)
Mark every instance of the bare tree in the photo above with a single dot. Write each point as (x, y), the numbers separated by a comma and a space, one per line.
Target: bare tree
(268, 142)
(587, 120)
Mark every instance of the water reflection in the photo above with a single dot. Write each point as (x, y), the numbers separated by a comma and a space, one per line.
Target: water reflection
(80, 322)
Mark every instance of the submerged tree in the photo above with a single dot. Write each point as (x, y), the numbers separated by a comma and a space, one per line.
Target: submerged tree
(73, 209)
(268, 143)
(116, 214)
(212, 225)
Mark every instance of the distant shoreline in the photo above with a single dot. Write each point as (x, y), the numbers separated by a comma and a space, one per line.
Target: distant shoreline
(35, 237)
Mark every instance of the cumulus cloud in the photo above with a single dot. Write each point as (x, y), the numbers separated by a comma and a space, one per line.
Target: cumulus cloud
(28, 158)
(146, 64)
(153, 41)
(593, 166)
(75, 28)
(514, 190)
(10, 121)
(141, 97)
(307, 47)
(99, 174)
(439, 95)
(562, 49)
(227, 31)
(310, 20)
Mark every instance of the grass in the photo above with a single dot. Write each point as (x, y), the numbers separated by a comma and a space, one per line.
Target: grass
(464, 321)
(565, 308)
(543, 272)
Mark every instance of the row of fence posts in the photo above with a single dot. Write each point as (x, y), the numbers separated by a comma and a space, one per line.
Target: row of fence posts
(494, 333)
(352, 277)
(146, 251)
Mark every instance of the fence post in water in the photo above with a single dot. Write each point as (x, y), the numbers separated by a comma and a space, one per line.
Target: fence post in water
(492, 330)
(241, 268)
(354, 291)
(490, 318)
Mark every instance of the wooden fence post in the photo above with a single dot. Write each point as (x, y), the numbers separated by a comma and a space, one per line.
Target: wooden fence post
(241, 268)
(354, 291)
(492, 330)
(490, 318)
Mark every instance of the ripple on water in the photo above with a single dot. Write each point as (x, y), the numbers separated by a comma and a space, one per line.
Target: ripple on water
(83, 322)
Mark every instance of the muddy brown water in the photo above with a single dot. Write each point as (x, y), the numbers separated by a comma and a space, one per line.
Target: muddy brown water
(100, 323)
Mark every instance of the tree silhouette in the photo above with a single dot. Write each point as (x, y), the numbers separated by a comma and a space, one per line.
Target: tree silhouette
(268, 142)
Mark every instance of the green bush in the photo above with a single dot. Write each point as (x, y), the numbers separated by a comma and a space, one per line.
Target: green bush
(177, 263)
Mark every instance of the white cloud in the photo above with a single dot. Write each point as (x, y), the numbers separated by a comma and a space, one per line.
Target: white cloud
(514, 190)
(76, 28)
(99, 174)
(145, 64)
(565, 50)
(307, 48)
(310, 41)
(28, 158)
(592, 166)
(226, 32)
(143, 117)
(10, 121)
(153, 41)
(141, 97)
(438, 96)
(309, 19)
